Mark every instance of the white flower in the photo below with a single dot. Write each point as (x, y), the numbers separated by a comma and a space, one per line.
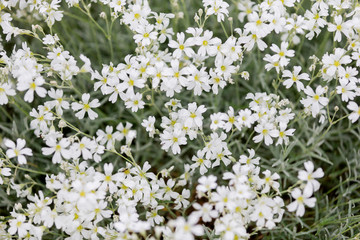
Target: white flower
(19, 225)
(173, 139)
(301, 199)
(187, 229)
(217, 121)
(41, 121)
(57, 149)
(340, 27)
(173, 103)
(153, 217)
(245, 118)
(231, 50)
(294, 77)
(126, 132)
(284, 133)
(181, 46)
(4, 171)
(266, 132)
(217, 81)
(224, 67)
(198, 80)
(354, 116)
(346, 89)
(193, 115)
(206, 212)
(181, 199)
(59, 103)
(149, 125)
(83, 148)
(109, 180)
(31, 87)
(257, 24)
(250, 160)
(50, 40)
(217, 7)
(18, 150)
(145, 34)
(206, 183)
(282, 53)
(166, 189)
(130, 80)
(270, 181)
(334, 62)
(201, 161)
(309, 176)
(109, 137)
(250, 40)
(133, 101)
(5, 90)
(285, 116)
(315, 99)
(206, 43)
(86, 107)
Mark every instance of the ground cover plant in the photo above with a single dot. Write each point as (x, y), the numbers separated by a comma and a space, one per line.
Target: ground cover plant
(180, 119)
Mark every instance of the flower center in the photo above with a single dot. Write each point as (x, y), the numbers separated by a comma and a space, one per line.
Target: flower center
(108, 178)
(86, 107)
(32, 86)
(231, 120)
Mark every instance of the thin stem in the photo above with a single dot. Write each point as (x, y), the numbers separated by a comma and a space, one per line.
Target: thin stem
(223, 27)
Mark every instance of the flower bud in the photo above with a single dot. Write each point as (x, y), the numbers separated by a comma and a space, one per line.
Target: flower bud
(103, 15)
(62, 124)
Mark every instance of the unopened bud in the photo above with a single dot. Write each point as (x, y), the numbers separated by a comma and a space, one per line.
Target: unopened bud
(103, 15)
(18, 206)
(125, 150)
(196, 18)
(62, 124)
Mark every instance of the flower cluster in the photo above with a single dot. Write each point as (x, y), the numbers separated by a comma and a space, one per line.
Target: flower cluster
(215, 176)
